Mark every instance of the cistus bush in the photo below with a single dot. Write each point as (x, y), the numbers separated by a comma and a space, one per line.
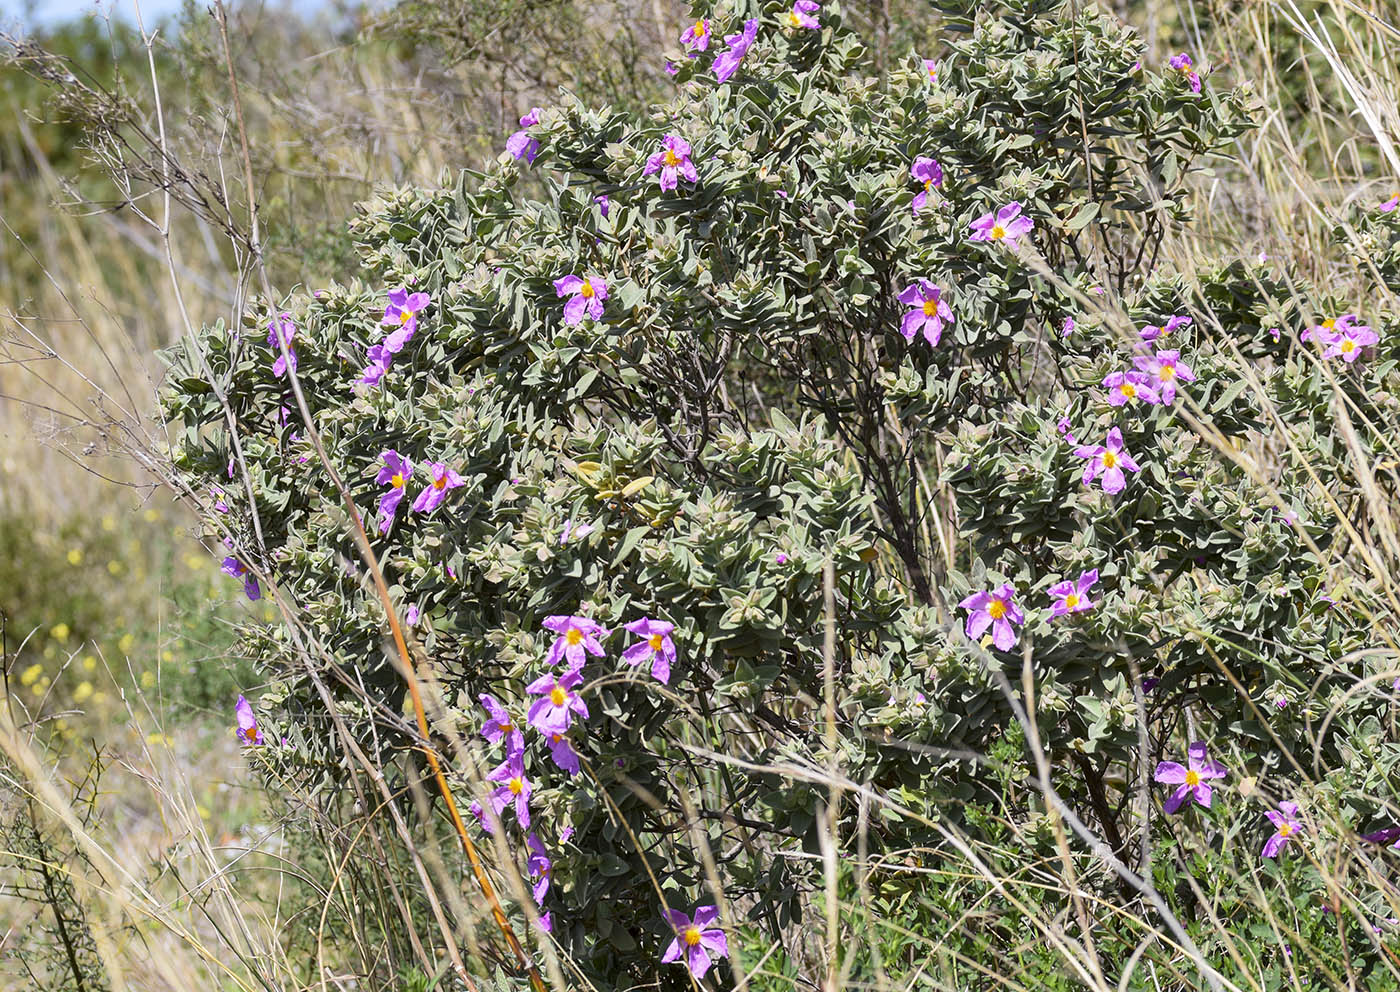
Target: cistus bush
(918, 330)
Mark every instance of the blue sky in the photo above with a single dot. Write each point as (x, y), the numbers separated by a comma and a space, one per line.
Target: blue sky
(53, 11)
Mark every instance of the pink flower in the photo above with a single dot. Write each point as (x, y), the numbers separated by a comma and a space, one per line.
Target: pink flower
(656, 645)
(395, 473)
(1182, 64)
(402, 314)
(1391, 204)
(928, 314)
(927, 173)
(578, 638)
(996, 609)
(1174, 323)
(1191, 779)
(1125, 386)
(1067, 327)
(586, 295)
(1065, 428)
(1349, 341)
(515, 788)
(554, 711)
(1108, 460)
(443, 480)
(1285, 821)
(1006, 224)
(1073, 597)
(279, 335)
(673, 160)
(696, 940)
(931, 67)
(804, 14)
(728, 61)
(1326, 332)
(500, 724)
(248, 732)
(697, 37)
(1165, 370)
(520, 144)
(562, 753)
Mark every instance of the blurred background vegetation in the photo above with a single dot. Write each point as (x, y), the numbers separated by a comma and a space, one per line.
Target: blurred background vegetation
(109, 136)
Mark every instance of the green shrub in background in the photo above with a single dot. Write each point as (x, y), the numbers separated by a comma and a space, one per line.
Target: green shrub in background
(742, 409)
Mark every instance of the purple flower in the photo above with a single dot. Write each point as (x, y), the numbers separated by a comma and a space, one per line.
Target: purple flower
(379, 358)
(499, 724)
(435, 492)
(697, 37)
(248, 732)
(1108, 460)
(1067, 327)
(1151, 332)
(1391, 204)
(412, 615)
(520, 144)
(673, 160)
(515, 788)
(279, 335)
(804, 14)
(931, 67)
(587, 295)
(577, 533)
(780, 558)
(1066, 429)
(563, 753)
(927, 173)
(928, 314)
(995, 609)
(1073, 597)
(1182, 64)
(395, 473)
(402, 314)
(1349, 341)
(1165, 369)
(578, 638)
(232, 566)
(1006, 224)
(1285, 820)
(1125, 386)
(696, 940)
(217, 495)
(656, 644)
(554, 711)
(1191, 779)
(729, 60)
(604, 204)
(539, 867)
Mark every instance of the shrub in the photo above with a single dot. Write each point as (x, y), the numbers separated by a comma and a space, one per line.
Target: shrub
(741, 411)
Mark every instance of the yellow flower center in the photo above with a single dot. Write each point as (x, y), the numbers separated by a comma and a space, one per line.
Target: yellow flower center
(1109, 459)
(998, 232)
(506, 727)
(692, 935)
(795, 22)
(250, 735)
(997, 609)
(1348, 346)
(1166, 373)
(586, 291)
(928, 185)
(1072, 600)
(558, 696)
(574, 637)
(930, 307)
(516, 786)
(654, 642)
(556, 738)
(1193, 778)
(397, 480)
(440, 482)
(1128, 390)
(1284, 829)
(405, 316)
(671, 159)
(1329, 323)
(699, 29)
